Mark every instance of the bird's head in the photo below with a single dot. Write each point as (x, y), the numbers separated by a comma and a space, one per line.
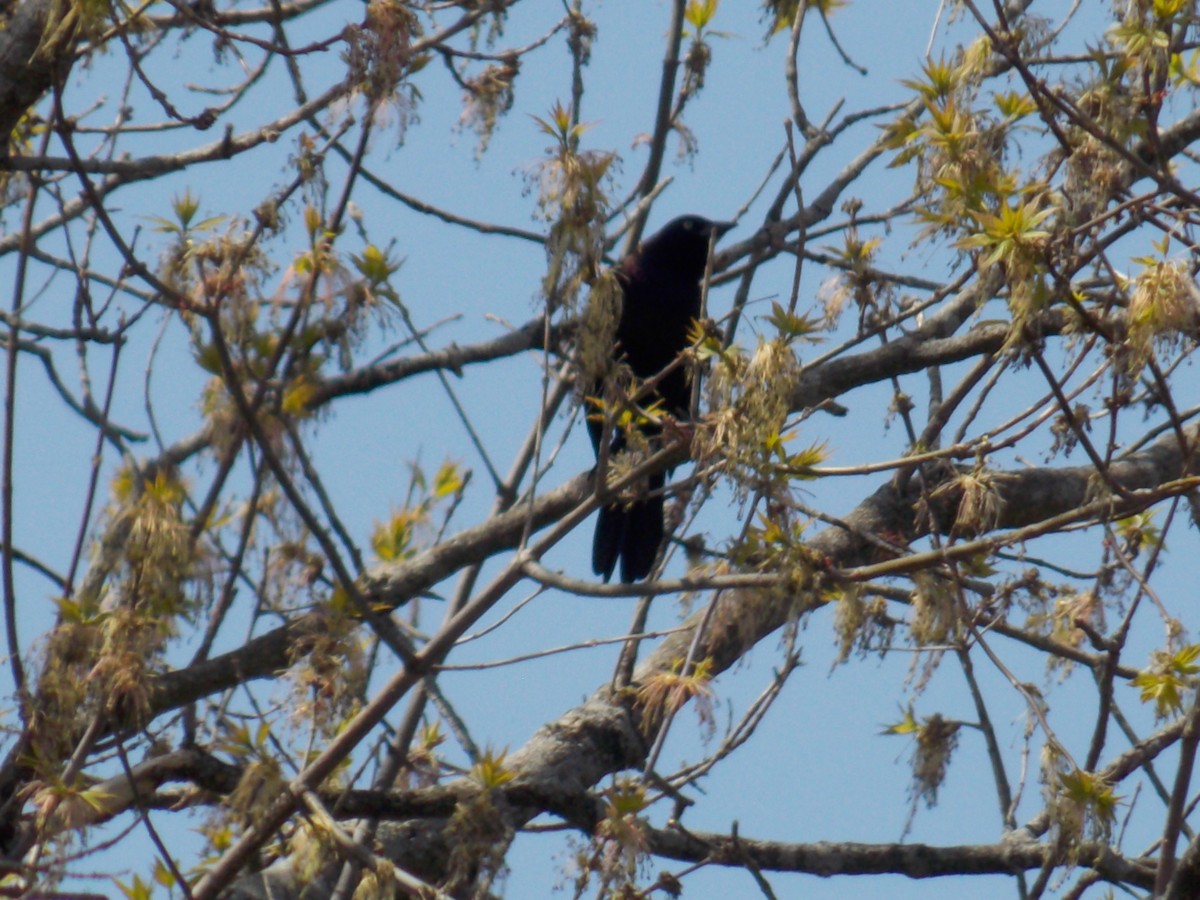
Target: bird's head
(682, 243)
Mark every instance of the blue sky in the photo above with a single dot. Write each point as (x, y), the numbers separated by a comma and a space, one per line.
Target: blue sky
(818, 768)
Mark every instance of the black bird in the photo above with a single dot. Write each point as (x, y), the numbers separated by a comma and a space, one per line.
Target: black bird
(660, 283)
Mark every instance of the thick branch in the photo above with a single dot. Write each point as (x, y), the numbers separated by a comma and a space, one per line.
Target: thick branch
(913, 860)
(530, 336)
(25, 74)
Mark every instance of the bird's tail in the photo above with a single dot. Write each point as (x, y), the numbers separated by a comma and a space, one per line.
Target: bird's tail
(631, 534)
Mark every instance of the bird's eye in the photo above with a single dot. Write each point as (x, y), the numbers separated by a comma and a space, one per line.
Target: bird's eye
(689, 224)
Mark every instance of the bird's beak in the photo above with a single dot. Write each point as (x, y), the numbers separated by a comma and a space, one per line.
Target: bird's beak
(719, 228)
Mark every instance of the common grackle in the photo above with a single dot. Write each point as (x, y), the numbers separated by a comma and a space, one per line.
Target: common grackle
(660, 284)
